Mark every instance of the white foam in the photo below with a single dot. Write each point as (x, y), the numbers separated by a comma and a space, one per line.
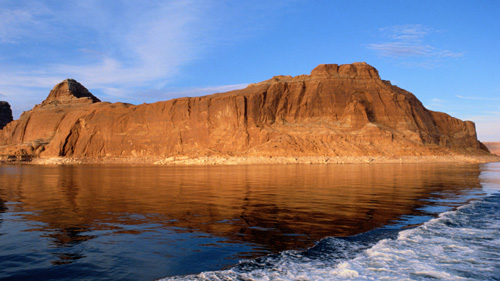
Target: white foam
(435, 250)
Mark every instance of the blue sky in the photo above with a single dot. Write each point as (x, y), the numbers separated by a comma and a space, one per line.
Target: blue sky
(445, 52)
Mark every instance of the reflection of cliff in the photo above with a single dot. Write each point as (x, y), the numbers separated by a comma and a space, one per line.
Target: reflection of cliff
(56, 208)
(2, 209)
(279, 207)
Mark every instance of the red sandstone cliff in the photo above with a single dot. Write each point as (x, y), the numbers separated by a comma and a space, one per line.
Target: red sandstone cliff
(344, 110)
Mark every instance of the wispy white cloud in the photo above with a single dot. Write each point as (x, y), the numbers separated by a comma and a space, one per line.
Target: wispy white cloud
(20, 22)
(401, 49)
(200, 91)
(437, 103)
(154, 44)
(409, 32)
(405, 41)
(115, 48)
(448, 54)
(189, 92)
(477, 98)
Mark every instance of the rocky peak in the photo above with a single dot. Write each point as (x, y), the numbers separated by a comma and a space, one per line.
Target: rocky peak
(70, 91)
(5, 114)
(357, 70)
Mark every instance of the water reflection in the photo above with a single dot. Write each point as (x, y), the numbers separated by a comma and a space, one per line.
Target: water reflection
(274, 207)
(3, 208)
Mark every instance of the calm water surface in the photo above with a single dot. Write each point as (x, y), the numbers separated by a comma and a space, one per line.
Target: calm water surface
(149, 222)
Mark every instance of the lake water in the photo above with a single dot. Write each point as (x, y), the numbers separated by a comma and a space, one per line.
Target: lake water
(269, 222)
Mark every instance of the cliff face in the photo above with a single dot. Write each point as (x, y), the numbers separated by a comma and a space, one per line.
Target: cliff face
(5, 114)
(344, 110)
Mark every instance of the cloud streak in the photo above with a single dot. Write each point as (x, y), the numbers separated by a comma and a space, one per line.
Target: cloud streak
(112, 47)
(401, 49)
(167, 94)
(17, 23)
(116, 48)
(151, 46)
(405, 41)
(477, 98)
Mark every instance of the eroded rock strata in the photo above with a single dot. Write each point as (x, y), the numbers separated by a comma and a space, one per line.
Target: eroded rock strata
(336, 111)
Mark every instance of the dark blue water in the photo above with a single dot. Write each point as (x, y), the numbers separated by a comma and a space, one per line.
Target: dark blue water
(294, 222)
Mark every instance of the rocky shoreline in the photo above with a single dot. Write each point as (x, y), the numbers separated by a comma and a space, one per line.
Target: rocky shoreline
(231, 160)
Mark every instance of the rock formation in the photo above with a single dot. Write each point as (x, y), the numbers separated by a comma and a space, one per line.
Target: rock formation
(337, 110)
(69, 91)
(5, 114)
(493, 147)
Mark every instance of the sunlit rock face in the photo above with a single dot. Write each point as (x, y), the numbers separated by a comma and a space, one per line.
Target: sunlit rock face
(337, 110)
(5, 114)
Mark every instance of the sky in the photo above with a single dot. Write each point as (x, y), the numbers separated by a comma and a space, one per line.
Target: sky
(444, 52)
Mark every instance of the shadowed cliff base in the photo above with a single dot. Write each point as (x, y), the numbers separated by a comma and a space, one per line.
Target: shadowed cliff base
(337, 114)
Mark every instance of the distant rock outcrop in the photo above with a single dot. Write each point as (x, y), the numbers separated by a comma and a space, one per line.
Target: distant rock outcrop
(494, 147)
(338, 110)
(5, 114)
(69, 91)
